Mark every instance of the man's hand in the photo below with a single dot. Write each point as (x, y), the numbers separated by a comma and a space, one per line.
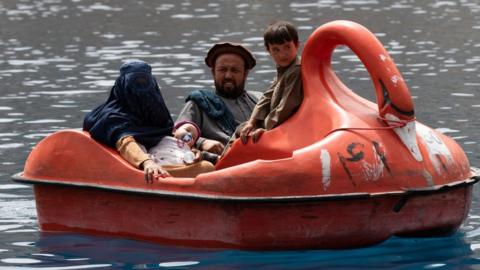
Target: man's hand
(153, 171)
(212, 146)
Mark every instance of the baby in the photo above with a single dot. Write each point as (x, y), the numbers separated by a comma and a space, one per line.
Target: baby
(177, 150)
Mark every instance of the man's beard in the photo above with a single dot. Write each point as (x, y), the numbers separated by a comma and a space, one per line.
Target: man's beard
(232, 93)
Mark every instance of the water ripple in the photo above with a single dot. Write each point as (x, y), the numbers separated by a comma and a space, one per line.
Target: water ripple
(9, 120)
(73, 92)
(12, 186)
(462, 94)
(44, 121)
(446, 130)
(177, 264)
(37, 62)
(8, 227)
(20, 260)
(98, 7)
(11, 145)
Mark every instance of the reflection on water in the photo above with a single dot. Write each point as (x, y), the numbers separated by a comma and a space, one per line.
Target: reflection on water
(89, 252)
(58, 59)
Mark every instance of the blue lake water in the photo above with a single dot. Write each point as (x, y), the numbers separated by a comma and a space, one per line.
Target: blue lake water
(58, 60)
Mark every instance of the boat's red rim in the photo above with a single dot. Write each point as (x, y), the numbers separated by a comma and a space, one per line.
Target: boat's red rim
(18, 177)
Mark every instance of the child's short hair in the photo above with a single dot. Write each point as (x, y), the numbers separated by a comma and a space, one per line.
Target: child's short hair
(280, 32)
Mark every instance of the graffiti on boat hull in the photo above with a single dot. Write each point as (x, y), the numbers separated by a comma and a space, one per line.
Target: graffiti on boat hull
(367, 162)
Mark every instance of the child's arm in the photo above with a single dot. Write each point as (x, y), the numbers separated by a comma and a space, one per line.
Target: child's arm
(291, 94)
(249, 127)
(262, 108)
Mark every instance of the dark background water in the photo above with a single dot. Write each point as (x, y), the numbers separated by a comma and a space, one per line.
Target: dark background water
(58, 59)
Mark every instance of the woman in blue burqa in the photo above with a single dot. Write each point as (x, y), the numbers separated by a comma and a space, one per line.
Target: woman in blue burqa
(134, 119)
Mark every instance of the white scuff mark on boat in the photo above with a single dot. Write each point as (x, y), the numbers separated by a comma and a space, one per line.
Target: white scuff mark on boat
(407, 135)
(428, 177)
(325, 158)
(373, 171)
(394, 79)
(436, 148)
(383, 57)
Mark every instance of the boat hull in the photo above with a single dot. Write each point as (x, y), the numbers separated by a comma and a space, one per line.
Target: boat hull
(275, 223)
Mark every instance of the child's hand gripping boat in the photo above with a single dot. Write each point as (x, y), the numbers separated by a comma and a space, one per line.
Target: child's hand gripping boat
(342, 172)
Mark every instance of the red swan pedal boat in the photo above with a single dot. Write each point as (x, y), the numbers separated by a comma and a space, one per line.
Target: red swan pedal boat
(342, 172)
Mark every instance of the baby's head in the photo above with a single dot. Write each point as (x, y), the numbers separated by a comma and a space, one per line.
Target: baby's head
(281, 41)
(184, 129)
